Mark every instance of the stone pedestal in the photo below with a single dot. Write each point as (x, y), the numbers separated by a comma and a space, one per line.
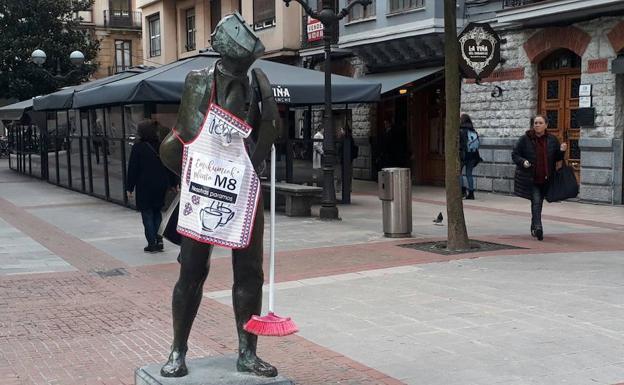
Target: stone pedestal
(219, 370)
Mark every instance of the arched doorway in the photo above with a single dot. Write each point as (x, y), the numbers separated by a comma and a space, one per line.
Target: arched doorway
(559, 81)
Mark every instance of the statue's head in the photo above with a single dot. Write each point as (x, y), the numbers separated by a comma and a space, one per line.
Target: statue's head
(235, 41)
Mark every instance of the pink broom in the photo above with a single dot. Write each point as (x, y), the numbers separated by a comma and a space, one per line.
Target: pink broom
(271, 324)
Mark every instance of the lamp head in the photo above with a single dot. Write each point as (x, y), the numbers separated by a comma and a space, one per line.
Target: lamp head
(77, 58)
(38, 57)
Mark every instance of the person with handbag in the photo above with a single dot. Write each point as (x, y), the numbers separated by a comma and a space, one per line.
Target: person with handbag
(535, 155)
(151, 179)
(468, 154)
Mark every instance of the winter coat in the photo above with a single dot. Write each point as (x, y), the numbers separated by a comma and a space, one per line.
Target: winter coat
(524, 149)
(149, 176)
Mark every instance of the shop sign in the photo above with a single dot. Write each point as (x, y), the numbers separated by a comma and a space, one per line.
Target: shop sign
(315, 29)
(479, 46)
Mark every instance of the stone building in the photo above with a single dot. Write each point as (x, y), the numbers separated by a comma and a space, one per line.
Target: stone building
(551, 49)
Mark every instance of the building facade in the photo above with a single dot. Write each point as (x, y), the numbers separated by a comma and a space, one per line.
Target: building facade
(398, 43)
(561, 60)
(117, 25)
(175, 30)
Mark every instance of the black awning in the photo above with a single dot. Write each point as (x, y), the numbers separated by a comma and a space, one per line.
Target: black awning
(64, 99)
(393, 80)
(291, 85)
(16, 110)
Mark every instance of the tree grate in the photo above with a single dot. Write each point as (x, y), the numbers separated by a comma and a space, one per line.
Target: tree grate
(476, 246)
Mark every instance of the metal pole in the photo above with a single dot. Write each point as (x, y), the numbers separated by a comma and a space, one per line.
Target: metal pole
(78, 115)
(329, 18)
(69, 164)
(328, 210)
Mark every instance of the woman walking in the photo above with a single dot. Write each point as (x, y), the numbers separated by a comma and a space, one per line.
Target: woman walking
(535, 155)
(151, 179)
(468, 154)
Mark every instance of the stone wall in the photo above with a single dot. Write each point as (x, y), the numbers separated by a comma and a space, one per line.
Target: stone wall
(500, 121)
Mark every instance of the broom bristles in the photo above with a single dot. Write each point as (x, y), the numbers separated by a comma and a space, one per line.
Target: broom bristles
(270, 325)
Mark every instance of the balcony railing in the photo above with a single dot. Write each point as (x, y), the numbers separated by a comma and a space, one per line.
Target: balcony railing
(519, 3)
(117, 18)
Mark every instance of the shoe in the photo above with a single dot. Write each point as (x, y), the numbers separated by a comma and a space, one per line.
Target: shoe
(470, 195)
(159, 243)
(151, 248)
(539, 233)
(464, 191)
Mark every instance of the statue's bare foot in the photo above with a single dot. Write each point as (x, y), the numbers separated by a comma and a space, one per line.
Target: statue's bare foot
(176, 365)
(253, 364)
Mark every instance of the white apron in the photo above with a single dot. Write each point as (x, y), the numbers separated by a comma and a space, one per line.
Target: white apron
(219, 186)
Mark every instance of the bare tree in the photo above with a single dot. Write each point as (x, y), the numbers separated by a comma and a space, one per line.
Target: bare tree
(457, 234)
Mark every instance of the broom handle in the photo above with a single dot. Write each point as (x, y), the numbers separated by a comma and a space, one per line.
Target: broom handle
(272, 233)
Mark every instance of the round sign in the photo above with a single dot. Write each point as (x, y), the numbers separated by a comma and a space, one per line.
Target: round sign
(479, 46)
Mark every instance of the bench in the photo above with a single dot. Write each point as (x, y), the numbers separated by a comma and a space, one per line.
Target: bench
(297, 199)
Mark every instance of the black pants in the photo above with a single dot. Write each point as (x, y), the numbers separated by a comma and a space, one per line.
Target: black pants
(537, 201)
(151, 222)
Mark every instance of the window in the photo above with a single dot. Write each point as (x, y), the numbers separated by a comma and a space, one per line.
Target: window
(561, 59)
(123, 55)
(263, 13)
(154, 34)
(119, 8)
(358, 13)
(405, 5)
(190, 29)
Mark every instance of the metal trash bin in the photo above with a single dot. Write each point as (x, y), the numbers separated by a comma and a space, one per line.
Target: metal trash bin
(395, 192)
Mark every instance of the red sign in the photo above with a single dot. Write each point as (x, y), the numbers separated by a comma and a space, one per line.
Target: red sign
(315, 29)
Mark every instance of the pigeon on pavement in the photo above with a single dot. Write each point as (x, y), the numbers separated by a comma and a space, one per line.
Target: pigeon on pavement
(439, 219)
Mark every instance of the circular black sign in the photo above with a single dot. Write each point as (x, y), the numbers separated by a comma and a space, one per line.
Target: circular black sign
(479, 48)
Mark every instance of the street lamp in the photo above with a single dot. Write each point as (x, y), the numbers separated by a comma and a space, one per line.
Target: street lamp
(76, 58)
(328, 17)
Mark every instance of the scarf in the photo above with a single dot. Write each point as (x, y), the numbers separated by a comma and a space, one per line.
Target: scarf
(541, 158)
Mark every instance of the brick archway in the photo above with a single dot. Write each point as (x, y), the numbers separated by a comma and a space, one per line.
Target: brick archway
(548, 40)
(616, 37)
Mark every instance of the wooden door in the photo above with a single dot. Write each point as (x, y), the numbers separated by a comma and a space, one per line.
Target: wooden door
(559, 101)
(427, 131)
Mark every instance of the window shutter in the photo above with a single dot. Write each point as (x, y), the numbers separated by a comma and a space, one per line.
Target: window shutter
(264, 10)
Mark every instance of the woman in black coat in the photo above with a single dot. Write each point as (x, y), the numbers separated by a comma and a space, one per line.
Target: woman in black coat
(151, 179)
(535, 155)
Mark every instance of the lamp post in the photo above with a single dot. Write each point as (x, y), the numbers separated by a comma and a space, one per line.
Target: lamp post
(328, 17)
(76, 58)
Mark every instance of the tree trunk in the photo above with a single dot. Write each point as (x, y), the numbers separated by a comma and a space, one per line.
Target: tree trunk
(457, 234)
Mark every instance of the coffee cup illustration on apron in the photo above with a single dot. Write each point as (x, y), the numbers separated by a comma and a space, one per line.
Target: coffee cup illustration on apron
(215, 216)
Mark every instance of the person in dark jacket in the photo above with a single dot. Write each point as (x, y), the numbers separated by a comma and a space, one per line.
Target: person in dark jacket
(535, 155)
(468, 154)
(151, 179)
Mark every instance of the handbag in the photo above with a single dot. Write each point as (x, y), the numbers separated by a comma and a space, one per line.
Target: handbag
(563, 185)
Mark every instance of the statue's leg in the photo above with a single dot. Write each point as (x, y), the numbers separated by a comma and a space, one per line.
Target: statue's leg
(187, 294)
(247, 298)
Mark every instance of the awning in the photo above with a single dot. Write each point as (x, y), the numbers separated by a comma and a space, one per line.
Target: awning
(16, 110)
(392, 80)
(291, 85)
(64, 99)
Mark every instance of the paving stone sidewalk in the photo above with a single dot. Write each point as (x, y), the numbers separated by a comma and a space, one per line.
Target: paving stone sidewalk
(81, 304)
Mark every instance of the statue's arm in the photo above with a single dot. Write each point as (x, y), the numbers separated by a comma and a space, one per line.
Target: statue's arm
(190, 117)
(268, 124)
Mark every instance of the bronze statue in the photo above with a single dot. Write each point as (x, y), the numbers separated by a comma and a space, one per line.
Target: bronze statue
(239, 48)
